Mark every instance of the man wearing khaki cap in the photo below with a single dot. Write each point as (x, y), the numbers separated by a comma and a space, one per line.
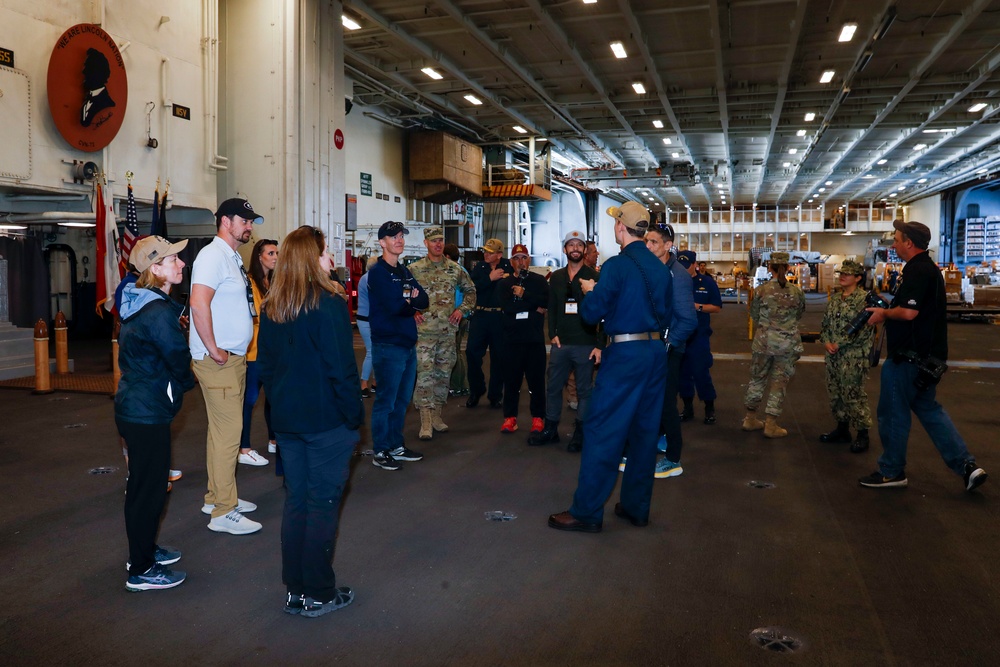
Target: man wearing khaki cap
(436, 327)
(486, 328)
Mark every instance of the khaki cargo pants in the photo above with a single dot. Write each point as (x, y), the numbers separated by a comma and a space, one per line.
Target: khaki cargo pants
(223, 388)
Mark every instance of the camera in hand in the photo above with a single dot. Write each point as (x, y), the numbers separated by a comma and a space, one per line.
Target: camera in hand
(929, 369)
(873, 300)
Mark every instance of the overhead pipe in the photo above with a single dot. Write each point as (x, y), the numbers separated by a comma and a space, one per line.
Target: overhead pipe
(210, 83)
(49, 217)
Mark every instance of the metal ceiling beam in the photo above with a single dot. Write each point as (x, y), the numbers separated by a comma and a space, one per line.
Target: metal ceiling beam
(795, 33)
(715, 30)
(588, 72)
(959, 179)
(956, 30)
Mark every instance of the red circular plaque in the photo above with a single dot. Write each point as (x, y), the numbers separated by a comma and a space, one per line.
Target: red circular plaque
(87, 86)
(338, 139)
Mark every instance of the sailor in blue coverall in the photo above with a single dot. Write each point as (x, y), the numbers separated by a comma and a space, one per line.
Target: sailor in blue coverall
(633, 298)
(697, 362)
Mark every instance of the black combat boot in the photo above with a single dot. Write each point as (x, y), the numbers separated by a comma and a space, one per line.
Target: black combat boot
(688, 413)
(861, 442)
(576, 442)
(840, 434)
(550, 433)
(709, 412)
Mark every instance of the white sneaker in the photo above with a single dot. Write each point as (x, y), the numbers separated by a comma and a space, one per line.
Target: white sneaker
(252, 458)
(242, 506)
(272, 448)
(234, 523)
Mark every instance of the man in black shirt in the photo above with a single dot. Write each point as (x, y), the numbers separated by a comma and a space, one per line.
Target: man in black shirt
(917, 337)
(486, 326)
(524, 296)
(574, 343)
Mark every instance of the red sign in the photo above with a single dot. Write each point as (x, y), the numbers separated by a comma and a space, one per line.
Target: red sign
(87, 86)
(338, 139)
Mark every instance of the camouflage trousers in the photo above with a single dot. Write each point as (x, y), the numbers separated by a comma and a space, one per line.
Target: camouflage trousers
(846, 377)
(769, 372)
(435, 359)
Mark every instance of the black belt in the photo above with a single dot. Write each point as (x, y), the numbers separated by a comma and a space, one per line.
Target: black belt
(361, 318)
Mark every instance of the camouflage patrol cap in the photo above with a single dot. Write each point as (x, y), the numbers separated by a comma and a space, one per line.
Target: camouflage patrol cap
(779, 258)
(431, 233)
(852, 267)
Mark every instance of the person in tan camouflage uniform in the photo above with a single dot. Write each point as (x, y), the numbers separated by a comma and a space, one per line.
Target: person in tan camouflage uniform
(436, 327)
(847, 359)
(776, 310)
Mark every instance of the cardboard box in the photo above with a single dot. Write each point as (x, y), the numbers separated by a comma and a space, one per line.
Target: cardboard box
(440, 158)
(987, 296)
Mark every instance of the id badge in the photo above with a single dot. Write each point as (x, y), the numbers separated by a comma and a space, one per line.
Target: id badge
(572, 308)
(521, 316)
(406, 292)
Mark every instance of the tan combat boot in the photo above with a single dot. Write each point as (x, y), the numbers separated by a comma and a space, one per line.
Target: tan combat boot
(436, 422)
(751, 423)
(771, 428)
(425, 424)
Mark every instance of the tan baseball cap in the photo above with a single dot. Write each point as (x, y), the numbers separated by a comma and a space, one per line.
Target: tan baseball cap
(151, 249)
(493, 245)
(631, 214)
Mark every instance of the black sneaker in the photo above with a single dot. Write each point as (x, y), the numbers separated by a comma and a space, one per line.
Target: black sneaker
(402, 453)
(366, 392)
(386, 461)
(155, 578)
(877, 481)
(294, 603)
(162, 556)
(311, 608)
(974, 476)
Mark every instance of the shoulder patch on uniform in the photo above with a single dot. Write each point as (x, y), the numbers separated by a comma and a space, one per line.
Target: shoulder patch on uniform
(911, 302)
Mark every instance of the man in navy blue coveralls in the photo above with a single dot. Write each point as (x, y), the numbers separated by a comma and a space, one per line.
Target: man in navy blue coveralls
(634, 300)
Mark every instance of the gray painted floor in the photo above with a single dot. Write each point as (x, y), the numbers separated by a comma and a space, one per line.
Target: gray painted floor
(863, 577)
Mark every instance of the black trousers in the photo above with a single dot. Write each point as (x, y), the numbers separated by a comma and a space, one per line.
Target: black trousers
(670, 419)
(146, 490)
(524, 361)
(485, 330)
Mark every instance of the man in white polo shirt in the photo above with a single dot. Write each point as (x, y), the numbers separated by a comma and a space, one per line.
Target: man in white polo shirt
(222, 314)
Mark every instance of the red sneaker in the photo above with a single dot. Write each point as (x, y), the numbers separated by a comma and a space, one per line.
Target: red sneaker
(537, 424)
(509, 425)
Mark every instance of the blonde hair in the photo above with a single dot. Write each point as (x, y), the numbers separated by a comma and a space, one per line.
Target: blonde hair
(148, 280)
(298, 281)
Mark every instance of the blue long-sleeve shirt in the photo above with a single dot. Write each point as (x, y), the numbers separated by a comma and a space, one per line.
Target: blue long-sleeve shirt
(363, 307)
(684, 320)
(391, 308)
(621, 297)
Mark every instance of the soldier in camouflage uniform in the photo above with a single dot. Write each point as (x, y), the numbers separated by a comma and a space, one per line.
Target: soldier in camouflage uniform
(436, 327)
(776, 310)
(847, 359)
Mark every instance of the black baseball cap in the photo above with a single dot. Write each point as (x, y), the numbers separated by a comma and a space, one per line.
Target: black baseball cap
(240, 207)
(391, 228)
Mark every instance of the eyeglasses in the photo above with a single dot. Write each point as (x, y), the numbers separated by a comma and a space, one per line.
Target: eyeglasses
(246, 279)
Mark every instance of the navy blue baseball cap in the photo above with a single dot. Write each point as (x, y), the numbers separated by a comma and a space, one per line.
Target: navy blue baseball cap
(391, 228)
(687, 258)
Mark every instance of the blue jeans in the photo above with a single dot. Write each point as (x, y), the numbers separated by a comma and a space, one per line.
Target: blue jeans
(896, 399)
(317, 466)
(396, 370)
(625, 405)
(365, 329)
(249, 401)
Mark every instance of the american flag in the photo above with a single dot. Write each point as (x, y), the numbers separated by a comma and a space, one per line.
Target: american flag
(131, 234)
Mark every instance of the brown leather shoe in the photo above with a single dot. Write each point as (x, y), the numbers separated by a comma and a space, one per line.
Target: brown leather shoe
(638, 523)
(566, 521)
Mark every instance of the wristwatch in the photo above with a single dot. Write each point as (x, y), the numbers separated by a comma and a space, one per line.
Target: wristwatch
(701, 307)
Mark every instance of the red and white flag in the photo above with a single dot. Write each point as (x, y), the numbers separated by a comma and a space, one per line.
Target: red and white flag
(108, 252)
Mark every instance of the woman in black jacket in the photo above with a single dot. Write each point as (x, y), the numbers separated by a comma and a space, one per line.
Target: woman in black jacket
(306, 361)
(156, 371)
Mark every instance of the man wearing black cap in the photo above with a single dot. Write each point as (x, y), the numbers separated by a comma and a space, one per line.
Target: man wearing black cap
(395, 297)
(697, 362)
(917, 335)
(222, 312)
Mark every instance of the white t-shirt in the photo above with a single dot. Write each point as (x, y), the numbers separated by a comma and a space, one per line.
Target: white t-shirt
(220, 267)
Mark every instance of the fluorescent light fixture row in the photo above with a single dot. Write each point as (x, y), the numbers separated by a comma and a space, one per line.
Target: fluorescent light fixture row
(618, 49)
(473, 100)
(827, 76)
(639, 88)
(349, 23)
(847, 32)
(432, 73)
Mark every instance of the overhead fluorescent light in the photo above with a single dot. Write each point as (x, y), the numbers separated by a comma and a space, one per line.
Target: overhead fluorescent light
(639, 88)
(931, 131)
(867, 176)
(474, 100)
(921, 180)
(920, 147)
(431, 73)
(810, 117)
(827, 76)
(520, 130)
(590, 2)
(975, 108)
(12, 227)
(618, 49)
(901, 188)
(882, 161)
(822, 190)
(666, 141)
(658, 124)
(829, 183)
(651, 199)
(786, 165)
(675, 155)
(847, 32)
(349, 23)
(982, 171)
(94, 224)
(793, 151)
(800, 133)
